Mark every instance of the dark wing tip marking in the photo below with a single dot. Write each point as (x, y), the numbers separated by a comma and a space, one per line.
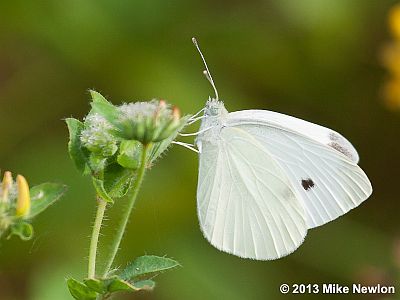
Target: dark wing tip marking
(307, 184)
(341, 149)
(339, 144)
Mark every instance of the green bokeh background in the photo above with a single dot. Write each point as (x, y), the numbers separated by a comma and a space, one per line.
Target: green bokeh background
(317, 60)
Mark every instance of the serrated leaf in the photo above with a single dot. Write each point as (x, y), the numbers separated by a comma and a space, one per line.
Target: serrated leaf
(44, 195)
(158, 148)
(77, 153)
(80, 291)
(21, 229)
(100, 190)
(130, 154)
(117, 180)
(147, 266)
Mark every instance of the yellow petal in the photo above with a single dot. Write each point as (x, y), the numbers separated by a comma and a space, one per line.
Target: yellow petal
(24, 199)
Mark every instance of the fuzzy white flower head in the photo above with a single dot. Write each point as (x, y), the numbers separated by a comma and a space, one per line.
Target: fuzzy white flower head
(97, 136)
(137, 110)
(148, 122)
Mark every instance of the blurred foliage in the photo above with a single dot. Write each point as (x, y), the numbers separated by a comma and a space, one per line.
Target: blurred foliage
(317, 60)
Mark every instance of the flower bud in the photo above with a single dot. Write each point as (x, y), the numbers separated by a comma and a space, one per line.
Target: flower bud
(147, 122)
(23, 199)
(6, 186)
(97, 136)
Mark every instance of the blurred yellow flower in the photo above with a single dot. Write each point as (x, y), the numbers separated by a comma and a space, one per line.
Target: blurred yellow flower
(394, 21)
(391, 61)
(391, 58)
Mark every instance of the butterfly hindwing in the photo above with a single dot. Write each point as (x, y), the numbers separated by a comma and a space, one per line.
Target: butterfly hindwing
(246, 203)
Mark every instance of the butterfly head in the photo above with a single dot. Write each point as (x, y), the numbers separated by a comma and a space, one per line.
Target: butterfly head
(215, 108)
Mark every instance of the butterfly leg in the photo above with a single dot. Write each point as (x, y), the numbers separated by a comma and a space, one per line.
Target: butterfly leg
(186, 145)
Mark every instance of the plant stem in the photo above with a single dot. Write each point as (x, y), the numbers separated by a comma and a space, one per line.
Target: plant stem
(127, 212)
(101, 207)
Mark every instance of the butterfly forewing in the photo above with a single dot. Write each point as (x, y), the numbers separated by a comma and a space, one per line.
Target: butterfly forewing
(246, 203)
(324, 175)
(310, 130)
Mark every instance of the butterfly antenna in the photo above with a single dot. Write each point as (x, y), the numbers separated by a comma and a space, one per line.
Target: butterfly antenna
(206, 71)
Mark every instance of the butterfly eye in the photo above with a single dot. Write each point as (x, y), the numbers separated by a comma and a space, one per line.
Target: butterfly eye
(213, 108)
(213, 111)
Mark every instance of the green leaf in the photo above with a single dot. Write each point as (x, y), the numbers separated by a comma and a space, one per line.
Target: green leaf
(22, 229)
(129, 154)
(97, 285)
(147, 266)
(112, 114)
(147, 285)
(119, 285)
(80, 291)
(44, 195)
(77, 153)
(97, 97)
(107, 110)
(100, 190)
(158, 148)
(117, 180)
(107, 286)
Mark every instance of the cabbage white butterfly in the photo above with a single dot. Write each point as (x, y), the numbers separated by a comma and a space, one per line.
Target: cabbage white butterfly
(265, 178)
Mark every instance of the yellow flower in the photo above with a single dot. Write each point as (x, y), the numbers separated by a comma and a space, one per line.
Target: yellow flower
(394, 21)
(24, 199)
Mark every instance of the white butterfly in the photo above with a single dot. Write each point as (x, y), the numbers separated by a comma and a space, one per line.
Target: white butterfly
(265, 178)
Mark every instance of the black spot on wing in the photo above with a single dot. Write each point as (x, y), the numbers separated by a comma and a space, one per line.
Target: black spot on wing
(307, 183)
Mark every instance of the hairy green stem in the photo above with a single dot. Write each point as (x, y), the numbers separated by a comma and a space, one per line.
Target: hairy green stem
(101, 207)
(127, 212)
